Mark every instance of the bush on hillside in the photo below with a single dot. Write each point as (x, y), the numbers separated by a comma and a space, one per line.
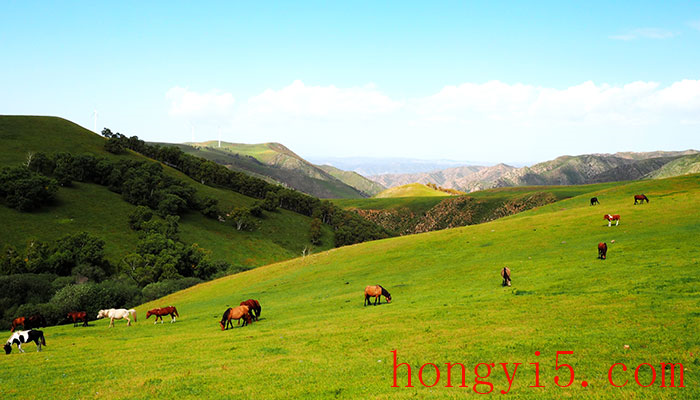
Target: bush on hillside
(160, 289)
(25, 190)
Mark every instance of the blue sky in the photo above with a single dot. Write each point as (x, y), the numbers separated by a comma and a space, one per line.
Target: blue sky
(474, 81)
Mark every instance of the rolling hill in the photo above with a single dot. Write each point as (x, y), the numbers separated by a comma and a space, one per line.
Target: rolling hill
(411, 190)
(276, 163)
(94, 209)
(316, 340)
(689, 164)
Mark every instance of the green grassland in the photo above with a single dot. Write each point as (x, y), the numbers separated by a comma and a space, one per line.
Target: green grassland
(410, 190)
(316, 340)
(92, 208)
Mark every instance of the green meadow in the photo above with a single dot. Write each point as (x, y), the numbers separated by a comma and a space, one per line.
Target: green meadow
(316, 340)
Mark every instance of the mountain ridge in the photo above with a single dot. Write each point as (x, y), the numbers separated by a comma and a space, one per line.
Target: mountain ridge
(563, 170)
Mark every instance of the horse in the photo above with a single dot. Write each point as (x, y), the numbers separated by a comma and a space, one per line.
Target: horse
(78, 316)
(27, 336)
(594, 201)
(254, 307)
(612, 217)
(376, 291)
(640, 198)
(505, 274)
(117, 313)
(235, 313)
(35, 321)
(602, 250)
(160, 312)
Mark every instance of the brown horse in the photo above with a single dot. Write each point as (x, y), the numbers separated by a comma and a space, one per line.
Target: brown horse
(376, 291)
(160, 312)
(640, 198)
(505, 274)
(77, 316)
(35, 321)
(254, 307)
(602, 250)
(235, 313)
(612, 217)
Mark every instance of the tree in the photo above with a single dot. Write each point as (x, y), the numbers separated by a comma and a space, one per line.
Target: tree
(241, 218)
(114, 146)
(26, 190)
(139, 217)
(315, 231)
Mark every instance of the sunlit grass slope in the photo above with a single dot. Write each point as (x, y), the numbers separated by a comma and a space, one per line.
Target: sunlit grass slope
(316, 340)
(87, 207)
(411, 190)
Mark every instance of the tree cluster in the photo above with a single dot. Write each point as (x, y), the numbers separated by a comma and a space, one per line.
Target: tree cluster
(26, 190)
(160, 255)
(138, 182)
(349, 227)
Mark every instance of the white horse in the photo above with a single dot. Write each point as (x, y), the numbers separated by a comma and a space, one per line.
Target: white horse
(118, 313)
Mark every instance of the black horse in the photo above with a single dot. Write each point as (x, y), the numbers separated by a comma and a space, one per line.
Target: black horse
(594, 201)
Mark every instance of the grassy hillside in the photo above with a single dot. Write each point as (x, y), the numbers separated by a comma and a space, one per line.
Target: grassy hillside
(93, 208)
(689, 164)
(354, 179)
(411, 190)
(316, 340)
(274, 161)
(408, 215)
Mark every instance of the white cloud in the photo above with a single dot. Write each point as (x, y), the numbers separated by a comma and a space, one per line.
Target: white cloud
(695, 24)
(494, 119)
(645, 33)
(298, 99)
(190, 104)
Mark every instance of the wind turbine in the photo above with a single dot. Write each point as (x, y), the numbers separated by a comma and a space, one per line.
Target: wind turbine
(94, 126)
(219, 136)
(192, 127)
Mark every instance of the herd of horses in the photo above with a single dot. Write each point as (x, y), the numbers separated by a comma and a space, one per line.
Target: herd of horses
(603, 247)
(247, 311)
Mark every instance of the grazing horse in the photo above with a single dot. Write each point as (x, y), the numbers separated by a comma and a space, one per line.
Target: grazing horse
(160, 312)
(376, 291)
(254, 307)
(235, 313)
(505, 274)
(602, 250)
(594, 201)
(640, 198)
(78, 316)
(20, 337)
(35, 321)
(117, 313)
(612, 217)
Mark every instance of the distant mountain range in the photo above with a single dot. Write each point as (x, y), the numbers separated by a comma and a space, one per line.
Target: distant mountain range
(276, 163)
(367, 166)
(565, 170)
